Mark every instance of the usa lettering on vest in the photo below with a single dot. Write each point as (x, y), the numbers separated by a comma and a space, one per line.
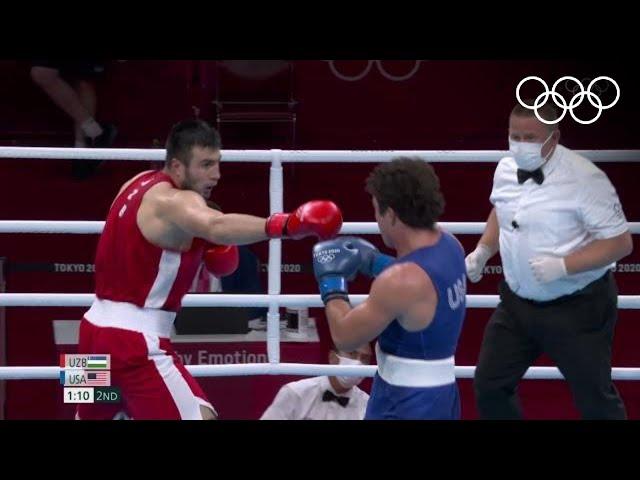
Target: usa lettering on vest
(456, 293)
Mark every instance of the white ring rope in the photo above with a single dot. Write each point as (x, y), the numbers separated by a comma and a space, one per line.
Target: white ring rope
(88, 227)
(274, 299)
(630, 302)
(302, 369)
(298, 156)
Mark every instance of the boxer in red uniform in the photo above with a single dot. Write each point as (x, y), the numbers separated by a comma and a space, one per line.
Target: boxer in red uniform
(157, 231)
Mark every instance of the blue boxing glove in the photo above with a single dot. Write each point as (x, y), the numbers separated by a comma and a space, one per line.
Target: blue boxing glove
(372, 262)
(334, 263)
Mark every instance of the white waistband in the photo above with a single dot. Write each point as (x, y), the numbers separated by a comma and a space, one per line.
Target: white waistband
(105, 313)
(411, 372)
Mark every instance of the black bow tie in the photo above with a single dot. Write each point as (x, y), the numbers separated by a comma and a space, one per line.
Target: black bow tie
(537, 176)
(329, 396)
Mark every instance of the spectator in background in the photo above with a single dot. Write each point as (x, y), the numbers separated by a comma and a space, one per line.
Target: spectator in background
(324, 398)
(71, 86)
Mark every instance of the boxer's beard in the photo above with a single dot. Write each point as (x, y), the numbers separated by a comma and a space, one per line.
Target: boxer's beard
(189, 182)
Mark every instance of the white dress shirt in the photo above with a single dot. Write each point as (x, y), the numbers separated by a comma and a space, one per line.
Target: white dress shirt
(302, 400)
(575, 205)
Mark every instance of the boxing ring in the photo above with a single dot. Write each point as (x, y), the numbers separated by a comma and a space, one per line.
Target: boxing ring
(274, 299)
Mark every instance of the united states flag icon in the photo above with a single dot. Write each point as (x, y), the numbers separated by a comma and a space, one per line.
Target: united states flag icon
(98, 379)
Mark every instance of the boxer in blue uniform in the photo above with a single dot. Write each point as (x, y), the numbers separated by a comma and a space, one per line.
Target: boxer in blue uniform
(416, 304)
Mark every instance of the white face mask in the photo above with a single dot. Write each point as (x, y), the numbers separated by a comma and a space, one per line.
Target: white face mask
(528, 155)
(348, 382)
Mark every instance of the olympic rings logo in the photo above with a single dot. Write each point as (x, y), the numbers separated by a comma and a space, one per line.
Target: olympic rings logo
(576, 100)
(323, 257)
(381, 69)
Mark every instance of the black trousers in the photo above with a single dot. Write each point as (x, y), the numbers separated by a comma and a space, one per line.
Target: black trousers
(576, 331)
(87, 70)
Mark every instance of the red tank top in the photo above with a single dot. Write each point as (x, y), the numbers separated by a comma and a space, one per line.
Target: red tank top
(129, 268)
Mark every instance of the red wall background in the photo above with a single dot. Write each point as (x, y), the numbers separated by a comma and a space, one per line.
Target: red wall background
(446, 105)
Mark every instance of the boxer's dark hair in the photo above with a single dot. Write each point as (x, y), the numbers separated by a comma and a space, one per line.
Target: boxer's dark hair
(188, 134)
(410, 187)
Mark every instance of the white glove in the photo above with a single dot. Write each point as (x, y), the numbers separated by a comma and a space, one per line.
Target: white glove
(476, 261)
(548, 269)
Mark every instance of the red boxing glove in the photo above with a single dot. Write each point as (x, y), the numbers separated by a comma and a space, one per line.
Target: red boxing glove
(319, 218)
(221, 260)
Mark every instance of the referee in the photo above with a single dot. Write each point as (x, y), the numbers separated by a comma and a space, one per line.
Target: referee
(559, 226)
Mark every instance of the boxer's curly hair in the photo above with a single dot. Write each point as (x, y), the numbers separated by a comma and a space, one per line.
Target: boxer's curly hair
(188, 134)
(410, 186)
